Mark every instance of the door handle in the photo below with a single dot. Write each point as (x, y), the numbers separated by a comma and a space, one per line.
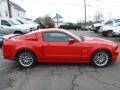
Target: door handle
(1, 27)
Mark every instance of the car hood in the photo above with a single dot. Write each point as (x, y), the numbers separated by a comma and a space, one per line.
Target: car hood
(99, 41)
(34, 24)
(107, 27)
(98, 24)
(21, 27)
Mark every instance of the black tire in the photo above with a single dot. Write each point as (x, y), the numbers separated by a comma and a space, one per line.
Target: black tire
(104, 61)
(96, 30)
(109, 33)
(18, 32)
(38, 27)
(104, 33)
(21, 59)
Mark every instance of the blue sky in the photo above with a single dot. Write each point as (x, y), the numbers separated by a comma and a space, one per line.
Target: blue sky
(71, 10)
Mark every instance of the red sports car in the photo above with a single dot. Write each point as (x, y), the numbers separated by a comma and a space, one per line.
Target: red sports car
(58, 46)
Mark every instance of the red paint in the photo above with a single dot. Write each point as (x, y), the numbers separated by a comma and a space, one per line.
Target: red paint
(76, 52)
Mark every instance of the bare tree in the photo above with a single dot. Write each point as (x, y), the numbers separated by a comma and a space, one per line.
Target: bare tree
(48, 22)
(98, 16)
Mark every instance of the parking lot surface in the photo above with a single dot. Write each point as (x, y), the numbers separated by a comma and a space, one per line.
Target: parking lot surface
(61, 76)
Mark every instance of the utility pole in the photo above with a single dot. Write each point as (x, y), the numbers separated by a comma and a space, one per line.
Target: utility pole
(9, 8)
(85, 10)
(57, 19)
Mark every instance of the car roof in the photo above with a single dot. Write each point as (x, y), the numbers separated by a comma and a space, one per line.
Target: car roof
(48, 30)
(7, 18)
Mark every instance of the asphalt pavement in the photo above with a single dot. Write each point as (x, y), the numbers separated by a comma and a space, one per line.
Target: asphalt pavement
(61, 76)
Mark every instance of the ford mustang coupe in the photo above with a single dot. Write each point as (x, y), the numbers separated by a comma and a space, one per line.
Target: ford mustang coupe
(58, 46)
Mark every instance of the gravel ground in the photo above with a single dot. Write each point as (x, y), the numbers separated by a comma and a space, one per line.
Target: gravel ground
(61, 76)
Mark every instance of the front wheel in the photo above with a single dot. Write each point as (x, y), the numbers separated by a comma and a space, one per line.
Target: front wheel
(101, 58)
(26, 59)
(109, 33)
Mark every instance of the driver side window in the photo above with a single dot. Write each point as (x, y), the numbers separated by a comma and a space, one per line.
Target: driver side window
(5, 23)
(55, 37)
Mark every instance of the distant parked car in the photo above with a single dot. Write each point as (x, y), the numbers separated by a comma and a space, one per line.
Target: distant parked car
(70, 26)
(11, 26)
(58, 46)
(35, 26)
(96, 27)
(111, 30)
(88, 28)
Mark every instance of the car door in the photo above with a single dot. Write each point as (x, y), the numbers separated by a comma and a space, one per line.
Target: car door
(57, 47)
(5, 27)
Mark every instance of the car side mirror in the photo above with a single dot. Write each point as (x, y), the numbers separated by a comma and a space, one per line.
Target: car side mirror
(71, 40)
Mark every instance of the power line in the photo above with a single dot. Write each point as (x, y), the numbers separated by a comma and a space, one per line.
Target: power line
(108, 1)
(36, 1)
(73, 4)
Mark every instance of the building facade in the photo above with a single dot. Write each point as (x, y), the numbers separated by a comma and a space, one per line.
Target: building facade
(16, 10)
(4, 8)
(58, 19)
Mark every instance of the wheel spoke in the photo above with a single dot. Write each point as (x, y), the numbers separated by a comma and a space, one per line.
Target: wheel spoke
(101, 59)
(26, 59)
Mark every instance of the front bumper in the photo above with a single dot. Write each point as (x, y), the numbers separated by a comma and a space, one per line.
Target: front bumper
(116, 33)
(115, 55)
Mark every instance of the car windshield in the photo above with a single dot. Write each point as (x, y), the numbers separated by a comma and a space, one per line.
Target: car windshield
(20, 21)
(109, 23)
(117, 20)
(117, 24)
(24, 21)
(14, 22)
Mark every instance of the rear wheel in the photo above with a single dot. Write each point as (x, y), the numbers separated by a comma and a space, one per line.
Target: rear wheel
(101, 58)
(26, 59)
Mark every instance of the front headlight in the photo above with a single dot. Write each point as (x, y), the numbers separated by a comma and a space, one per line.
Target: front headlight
(28, 30)
(31, 29)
